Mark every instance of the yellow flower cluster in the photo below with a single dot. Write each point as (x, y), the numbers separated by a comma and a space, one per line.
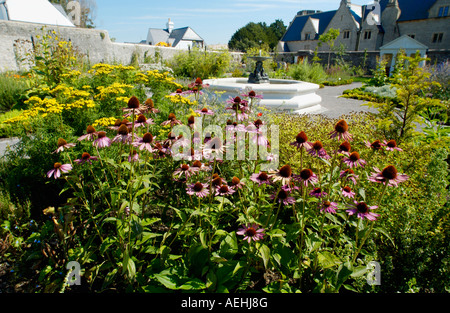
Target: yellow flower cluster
(113, 89)
(180, 99)
(104, 121)
(106, 69)
(49, 106)
(163, 77)
(68, 92)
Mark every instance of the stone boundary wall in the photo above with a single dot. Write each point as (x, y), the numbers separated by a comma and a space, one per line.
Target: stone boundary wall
(94, 43)
(356, 58)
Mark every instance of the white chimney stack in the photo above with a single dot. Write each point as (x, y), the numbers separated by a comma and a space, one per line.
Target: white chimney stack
(169, 26)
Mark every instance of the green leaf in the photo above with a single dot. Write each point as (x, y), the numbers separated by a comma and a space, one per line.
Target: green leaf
(359, 271)
(229, 246)
(327, 259)
(265, 253)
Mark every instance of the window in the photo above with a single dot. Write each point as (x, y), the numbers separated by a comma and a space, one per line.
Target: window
(437, 37)
(346, 34)
(307, 36)
(412, 36)
(443, 11)
(367, 34)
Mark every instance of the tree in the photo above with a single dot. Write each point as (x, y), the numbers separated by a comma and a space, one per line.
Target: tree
(87, 11)
(255, 35)
(329, 37)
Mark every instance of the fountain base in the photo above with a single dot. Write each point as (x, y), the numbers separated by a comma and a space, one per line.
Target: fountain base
(278, 94)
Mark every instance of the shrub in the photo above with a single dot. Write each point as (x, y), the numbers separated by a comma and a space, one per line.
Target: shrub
(12, 91)
(308, 72)
(198, 63)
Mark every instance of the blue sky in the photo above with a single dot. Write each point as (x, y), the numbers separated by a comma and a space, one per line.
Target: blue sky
(214, 20)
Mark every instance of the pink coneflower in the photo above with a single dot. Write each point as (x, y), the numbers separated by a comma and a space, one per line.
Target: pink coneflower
(179, 91)
(376, 145)
(215, 146)
(282, 196)
(57, 169)
(205, 111)
(389, 174)
(348, 174)
(151, 106)
(198, 83)
(185, 170)
(236, 183)
(301, 141)
(354, 160)
(134, 107)
(252, 95)
(284, 174)
(145, 142)
(391, 145)
(318, 192)
(62, 144)
(86, 157)
(261, 178)
(142, 121)
(318, 150)
(201, 166)
(307, 176)
(251, 232)
(341, 131)
(102, 141)
(224, 190)
(90, 133)
(198, 189)
(328, 207)
(123, 135)
(347, 192)
(172, 120)
(344, 148)
(133, 156)
(236, 103)
(119, 123)
(363, 210)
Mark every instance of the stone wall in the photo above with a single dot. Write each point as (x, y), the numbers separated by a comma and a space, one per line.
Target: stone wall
(16, 39)
(356, 58)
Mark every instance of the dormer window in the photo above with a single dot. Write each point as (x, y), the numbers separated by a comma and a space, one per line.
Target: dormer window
(308, 36)
(346, 34)
(437, 37)
(443, 11)
(367, 34)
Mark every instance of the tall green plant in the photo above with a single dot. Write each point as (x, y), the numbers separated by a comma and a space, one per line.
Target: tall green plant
(410, 81)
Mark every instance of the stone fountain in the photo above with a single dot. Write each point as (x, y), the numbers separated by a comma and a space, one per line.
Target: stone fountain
(278, 94)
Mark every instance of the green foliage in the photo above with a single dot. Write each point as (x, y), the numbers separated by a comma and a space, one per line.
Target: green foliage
(309, 72)
(12, 91)
(198, 63)
(410, 81)
(255, 35)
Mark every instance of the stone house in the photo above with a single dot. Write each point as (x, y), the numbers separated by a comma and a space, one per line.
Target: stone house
(368, 27)
(181, 38)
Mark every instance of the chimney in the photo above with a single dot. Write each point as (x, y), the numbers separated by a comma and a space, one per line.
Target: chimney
(169, 26)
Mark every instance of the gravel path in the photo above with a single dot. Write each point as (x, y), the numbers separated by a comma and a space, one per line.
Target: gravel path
(333, 106)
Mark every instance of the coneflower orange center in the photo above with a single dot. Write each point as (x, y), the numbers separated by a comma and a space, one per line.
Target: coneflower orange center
(204, 110)
(171, 117)
(123, 130)
(250, 232)
(198, 187)
(392, 143)
(197, 163)
(301, 137)
(101, 134)
(389, 172)
(85, 156)
(90, 129)
(133, 103)
(61, 142)
(376, 145)
(306, 173)
(362, 207)
(57, 165)
(347, 189)
(282, 194)
(223, 188)
(345, 146)
(147, 138)
(235, 181)
(263, 176)
(141, 119)
(341, 126)
(354, 156)
(317, 145)
(184, 167)
(286, 171)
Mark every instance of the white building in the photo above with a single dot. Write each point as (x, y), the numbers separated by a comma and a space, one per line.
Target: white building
(181, 38)
(33, 11)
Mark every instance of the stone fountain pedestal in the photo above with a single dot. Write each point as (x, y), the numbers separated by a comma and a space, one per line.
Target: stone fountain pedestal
(278, 94)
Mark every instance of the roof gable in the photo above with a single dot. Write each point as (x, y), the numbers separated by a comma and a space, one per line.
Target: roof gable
(294, 31)
(404, 42)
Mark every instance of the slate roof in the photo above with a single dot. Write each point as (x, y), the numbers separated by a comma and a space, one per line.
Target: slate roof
(162, 35)
(411, 9)
(293, 32)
